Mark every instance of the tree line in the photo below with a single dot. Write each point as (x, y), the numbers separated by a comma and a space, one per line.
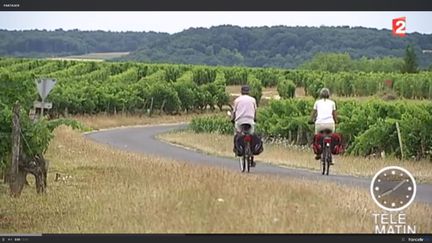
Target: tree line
(279, 46)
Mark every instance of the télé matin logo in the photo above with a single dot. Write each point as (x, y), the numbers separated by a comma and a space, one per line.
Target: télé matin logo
(399, 26)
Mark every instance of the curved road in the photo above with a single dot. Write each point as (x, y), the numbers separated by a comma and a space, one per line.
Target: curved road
(143, 139)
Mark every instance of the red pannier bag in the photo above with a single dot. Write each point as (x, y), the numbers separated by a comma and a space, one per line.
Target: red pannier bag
(336, 144)
(317, 142)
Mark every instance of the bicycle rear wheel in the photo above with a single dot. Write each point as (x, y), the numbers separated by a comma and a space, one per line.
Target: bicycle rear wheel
(242, 162)
(248, 163)
(327, 167)
(325, 161)
(329, 161)
(323, 165)
(248, 159)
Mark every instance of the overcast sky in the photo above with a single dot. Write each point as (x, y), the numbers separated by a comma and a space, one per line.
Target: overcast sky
(173, 22)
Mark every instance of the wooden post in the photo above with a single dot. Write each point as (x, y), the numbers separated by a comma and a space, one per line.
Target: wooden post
(162, 107)
(400, 140)
(123, 110)
(42, 108)
(144, 107)
(151, 107)
(16, 139)
(14, 182)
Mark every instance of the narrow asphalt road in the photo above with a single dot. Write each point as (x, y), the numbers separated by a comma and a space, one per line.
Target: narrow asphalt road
(143, 140)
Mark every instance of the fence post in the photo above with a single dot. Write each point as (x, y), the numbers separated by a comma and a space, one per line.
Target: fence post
(15, 177)
(400, 140)
(162, 107)
(144, 107)
(151, 107)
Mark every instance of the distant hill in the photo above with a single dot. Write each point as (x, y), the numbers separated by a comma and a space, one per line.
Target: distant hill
(279, 46)
(42, 43)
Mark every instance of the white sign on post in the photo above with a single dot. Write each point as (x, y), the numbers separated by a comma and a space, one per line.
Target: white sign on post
(44, 87)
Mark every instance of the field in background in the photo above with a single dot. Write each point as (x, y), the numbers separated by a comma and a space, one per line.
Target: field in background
(97, 56)
(266, 91)
(289, 156)
(102, 190)
(102, 121)
(272, 93)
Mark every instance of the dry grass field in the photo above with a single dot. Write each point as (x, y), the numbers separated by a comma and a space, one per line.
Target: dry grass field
(266, 92)
(298, 158)
(102, 121)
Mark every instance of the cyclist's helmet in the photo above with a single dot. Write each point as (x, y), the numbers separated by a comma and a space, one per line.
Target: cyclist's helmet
(245, 89)
(324, 93)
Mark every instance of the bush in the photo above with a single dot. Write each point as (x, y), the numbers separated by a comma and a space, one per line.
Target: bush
(268, 78)
(172, 73)
(255, 88)
(185, 92)
(36, 136)
(286, 89)
(222, 97)
(212, 124)
(161, 92)
(203, 75)
(220, 79)
(235, 76)
(314, 88)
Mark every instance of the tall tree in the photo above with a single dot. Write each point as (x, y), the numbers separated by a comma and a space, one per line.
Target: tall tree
(410, 60)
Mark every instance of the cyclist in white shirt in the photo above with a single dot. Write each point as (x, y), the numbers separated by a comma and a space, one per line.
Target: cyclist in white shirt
(324, 113)
(244, 112)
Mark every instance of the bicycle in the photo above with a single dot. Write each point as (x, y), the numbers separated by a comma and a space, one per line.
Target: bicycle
(326, 154)
(326, 157)
(246, 159)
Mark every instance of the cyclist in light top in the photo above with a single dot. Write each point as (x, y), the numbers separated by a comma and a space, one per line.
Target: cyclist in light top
(244, 110)
(324, 112)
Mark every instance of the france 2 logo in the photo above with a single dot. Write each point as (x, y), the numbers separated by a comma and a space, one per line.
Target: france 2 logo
(399, 27)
